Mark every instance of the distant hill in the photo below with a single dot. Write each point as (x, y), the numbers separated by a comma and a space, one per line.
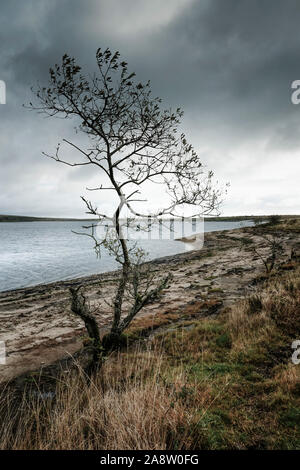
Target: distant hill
(23, 218)
(234, 218)
(239, 218)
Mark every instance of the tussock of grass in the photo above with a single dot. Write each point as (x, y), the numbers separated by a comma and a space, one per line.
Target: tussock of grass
(126, 407)
(226, 383)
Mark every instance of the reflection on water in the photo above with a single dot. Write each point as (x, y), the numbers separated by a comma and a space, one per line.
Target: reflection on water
(39, 252)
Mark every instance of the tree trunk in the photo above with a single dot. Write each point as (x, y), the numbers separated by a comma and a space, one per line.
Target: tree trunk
(79, 307)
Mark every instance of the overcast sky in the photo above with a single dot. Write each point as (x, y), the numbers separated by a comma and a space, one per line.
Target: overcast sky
(228, 63)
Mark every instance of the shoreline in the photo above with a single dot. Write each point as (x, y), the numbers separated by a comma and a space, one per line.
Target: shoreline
(230, 218)
(89, 277)
(233, 218)
(39, 328)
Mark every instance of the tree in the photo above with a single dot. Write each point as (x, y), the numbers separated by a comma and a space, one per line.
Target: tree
(274, 219)
(274, 249)
(132, 142)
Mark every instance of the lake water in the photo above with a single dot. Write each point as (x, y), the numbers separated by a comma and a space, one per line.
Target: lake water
(40, 252)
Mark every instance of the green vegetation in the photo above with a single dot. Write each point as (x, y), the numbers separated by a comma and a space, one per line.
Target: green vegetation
(255, 218)
(238, 218)
(224, 382)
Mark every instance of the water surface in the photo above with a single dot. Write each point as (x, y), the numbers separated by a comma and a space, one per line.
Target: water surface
(40, 252)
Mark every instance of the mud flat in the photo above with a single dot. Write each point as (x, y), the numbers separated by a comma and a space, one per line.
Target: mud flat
(38, 327)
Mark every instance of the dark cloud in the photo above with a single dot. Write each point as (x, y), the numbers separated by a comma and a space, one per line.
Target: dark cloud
(228, 63)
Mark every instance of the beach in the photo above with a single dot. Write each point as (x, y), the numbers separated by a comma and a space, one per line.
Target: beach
(38, 327)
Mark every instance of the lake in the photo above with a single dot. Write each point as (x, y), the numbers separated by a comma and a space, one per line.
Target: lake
(40, 252)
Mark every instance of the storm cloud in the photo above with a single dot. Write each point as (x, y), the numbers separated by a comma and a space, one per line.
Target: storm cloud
(228, 63)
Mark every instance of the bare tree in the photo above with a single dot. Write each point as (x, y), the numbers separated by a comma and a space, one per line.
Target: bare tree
(274, 249)
(132, 142)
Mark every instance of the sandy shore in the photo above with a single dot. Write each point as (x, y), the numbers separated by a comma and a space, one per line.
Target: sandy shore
(38, 327)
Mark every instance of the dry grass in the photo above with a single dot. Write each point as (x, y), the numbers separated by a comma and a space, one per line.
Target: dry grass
(288, 377)
(258, 316)
(126, 407)
(216, 383)
(145, 324)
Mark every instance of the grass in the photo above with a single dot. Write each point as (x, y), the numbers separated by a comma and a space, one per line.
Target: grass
(289, 225)
(226, 382)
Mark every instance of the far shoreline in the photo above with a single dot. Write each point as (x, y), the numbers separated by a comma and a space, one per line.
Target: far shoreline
(234, 218)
